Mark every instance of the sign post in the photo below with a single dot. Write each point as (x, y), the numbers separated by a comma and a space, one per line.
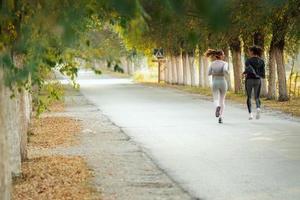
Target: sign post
(159, 54)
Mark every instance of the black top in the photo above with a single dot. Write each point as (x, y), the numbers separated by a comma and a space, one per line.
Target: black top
(258, 65)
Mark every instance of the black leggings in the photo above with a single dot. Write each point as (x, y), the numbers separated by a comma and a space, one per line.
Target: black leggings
(250, 85)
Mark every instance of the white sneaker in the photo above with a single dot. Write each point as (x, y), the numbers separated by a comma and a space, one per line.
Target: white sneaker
(258, 113)
(250, 116)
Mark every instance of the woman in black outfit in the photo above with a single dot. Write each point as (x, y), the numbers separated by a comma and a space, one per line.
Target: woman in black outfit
(254, 72)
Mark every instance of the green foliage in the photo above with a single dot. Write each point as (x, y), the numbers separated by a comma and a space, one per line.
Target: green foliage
(55, 34)
(49, 93)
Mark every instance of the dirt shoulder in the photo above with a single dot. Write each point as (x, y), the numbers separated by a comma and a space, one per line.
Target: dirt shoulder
(47, 175)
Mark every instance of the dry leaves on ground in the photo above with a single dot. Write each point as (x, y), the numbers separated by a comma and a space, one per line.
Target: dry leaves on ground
(57, 106)
(49, 132)
(55, 178)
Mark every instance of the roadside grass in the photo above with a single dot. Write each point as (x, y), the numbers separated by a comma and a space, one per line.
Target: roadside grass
(107, 71)
(290, 107)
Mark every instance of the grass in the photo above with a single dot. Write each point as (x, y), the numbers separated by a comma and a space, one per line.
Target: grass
(291, 107)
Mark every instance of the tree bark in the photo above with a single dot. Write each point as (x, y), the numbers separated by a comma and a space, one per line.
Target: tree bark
(259, 40)
(12, 127)
(5, 171)
(235, 47)
(24, 123)
(184, 66)
(281, 74)
(205, 67)
(174, 70)
(226, 52)
(166, 71)
(272, 73)
(179, 69)
(169, 66)
(279, 30)
(201, 71)
(191, 61)
(127, 67)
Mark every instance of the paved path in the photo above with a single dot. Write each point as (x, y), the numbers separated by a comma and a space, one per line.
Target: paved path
(238, 160)
(121, 169)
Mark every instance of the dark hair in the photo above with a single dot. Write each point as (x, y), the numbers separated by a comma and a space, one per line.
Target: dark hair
(214, 53)
(256, 50)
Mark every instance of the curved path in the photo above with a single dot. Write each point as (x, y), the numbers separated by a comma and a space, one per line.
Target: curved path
(238, 160)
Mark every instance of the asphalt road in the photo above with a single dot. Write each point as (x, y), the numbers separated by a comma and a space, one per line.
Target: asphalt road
(237, 160)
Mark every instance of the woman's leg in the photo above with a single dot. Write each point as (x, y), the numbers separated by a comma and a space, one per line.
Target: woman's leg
(257, 89)
(216, 95)
(249, 86)
(223, 91)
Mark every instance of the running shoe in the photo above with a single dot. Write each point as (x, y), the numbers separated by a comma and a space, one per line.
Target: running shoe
(250, 116)
(218, 109)
(258, 113)
(220, 120)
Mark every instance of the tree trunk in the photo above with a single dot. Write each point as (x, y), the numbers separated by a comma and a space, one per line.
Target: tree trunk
(259, 40)
(127, 67)
(169, 66)
(123, 64)
(12, 127)
(23, 124)
(174, 70)
(235, 47)
(133, 66)
(272, 73)
(184, 66)
(5, 170)
(191, 59)
(279, 30)
(281, 74)
(23, 112)
(166, 72)
(205, 67)
(179, 69)
(226, 52)
(201, 71)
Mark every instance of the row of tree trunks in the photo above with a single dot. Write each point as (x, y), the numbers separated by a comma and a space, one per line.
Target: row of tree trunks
(182, 70)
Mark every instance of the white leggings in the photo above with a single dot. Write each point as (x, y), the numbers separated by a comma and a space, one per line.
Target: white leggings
(219, 88)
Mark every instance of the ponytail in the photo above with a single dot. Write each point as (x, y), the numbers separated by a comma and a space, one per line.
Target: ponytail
(210, 53)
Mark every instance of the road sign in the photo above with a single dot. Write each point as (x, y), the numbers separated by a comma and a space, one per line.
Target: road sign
(158, 53)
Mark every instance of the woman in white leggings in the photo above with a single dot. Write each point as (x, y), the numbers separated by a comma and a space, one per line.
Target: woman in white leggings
(218, 69)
